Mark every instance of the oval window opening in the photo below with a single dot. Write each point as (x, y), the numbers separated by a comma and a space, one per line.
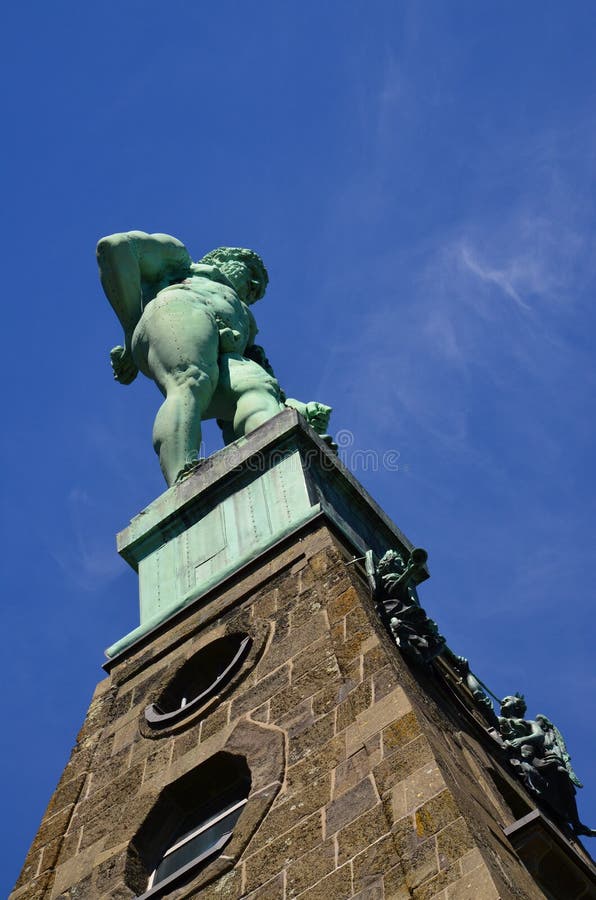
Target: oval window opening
(200, 679)
(191, 823)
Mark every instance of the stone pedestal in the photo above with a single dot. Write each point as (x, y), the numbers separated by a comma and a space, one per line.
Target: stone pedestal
(237, 504)
(368, 777)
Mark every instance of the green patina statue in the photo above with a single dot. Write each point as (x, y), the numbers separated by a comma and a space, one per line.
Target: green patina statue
(534, 748)
(540, 758)
(189, 327)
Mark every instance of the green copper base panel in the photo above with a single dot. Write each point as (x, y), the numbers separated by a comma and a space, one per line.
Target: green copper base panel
(205, 586)
(235, 505)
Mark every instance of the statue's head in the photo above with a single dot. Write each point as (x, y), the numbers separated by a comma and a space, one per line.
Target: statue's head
(243, 268)
(391, 561)
(513, 707)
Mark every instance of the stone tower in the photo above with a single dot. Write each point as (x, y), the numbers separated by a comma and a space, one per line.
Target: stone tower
(260, 735)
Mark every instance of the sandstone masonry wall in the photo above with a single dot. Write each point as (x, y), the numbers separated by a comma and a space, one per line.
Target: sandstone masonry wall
(372, 787)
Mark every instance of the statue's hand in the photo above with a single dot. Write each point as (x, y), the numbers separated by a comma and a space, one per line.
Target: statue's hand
(123, 367)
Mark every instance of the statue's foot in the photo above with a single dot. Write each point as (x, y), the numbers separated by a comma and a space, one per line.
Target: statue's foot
(188, 469)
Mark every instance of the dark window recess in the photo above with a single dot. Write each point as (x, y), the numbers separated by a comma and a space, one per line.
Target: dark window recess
(192, 822)
(199, 680)
(202, 834)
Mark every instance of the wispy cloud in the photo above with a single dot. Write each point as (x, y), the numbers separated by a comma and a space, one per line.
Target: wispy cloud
(85, 553)
(502, 278)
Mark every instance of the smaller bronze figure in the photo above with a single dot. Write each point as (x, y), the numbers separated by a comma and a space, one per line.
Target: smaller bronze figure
(541, 761)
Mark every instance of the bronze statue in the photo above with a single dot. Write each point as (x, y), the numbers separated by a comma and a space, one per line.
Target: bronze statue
(189, 327)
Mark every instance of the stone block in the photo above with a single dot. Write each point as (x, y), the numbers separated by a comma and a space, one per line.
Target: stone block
(341, 605)
(228, 887)
(49, 855)
(436, 886)
(66, 795)
(261, 713)
(474, 885)
(325, 700)
(289, 646)
(420, 864)
(316, 764)
(437, 812)
(36, 889)
(215, 722)
(350, 772)
(357, 701)
(359, 834)
(370, 865)
(265, 605)
(52, 827)
(272, 890)
(453, 842)
(394, 883)
(384, 681)
(350, 805)
(319, 657)
(335, 886)
(405, 761)
(158, 761)
(183, 742)
(373, 657)
(305, 607)
(310, 868)
(400, 732)
(290, 809)
(277, 853)
(311, 738)
(373, 891)
(381, 713)
(348, 651)
(263, 690)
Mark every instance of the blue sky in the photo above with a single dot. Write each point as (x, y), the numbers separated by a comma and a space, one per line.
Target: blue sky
(420, 180)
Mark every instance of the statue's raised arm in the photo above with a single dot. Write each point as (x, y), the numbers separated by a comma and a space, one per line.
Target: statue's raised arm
(133, 267)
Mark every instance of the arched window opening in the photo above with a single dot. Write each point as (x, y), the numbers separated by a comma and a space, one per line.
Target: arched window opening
(200, 679)
(192, 822)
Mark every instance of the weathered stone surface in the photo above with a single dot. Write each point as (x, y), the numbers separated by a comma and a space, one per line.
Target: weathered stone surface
(403, 762)
(289, 810)
(350, 772)
(453, 842)
(400, 732)
(262, 690)
(371, 865)
(436, 814)
(335, 886)
(473, 885)
(370, 793)
(317, 764)
(273, 890)
(276, 854)
(361, 832)
(311, 738)
(341, 605)
(350, 805)
(393, 706)
(310, 868)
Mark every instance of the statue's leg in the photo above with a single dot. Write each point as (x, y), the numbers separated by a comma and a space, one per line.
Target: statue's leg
(177, 344)
(255, 393)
